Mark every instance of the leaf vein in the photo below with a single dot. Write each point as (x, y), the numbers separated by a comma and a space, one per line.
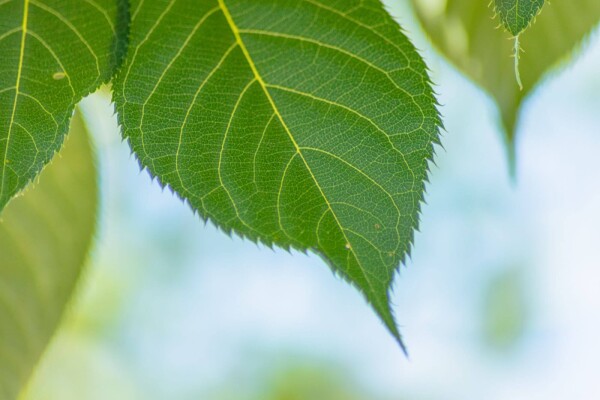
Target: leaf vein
(360, 115)
(189, 110)
(338, 49)
(168, 67)
(16, 98)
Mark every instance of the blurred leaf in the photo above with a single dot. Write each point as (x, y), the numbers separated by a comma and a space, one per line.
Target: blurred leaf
(53, 53)
(312, 382)
(79, 367)
(45, 236)
(301, 123)
(463, 30)
(505, 310)
(291, 378)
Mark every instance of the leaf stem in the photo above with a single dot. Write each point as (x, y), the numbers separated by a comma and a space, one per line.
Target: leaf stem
(517, 51)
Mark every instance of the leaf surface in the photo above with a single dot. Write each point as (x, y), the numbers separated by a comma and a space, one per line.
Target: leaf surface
(298, 123)
(45, 235)
(464, 32)
(53, 52)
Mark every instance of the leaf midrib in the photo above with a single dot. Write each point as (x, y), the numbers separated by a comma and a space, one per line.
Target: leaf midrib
(236, 32)
(17, 91)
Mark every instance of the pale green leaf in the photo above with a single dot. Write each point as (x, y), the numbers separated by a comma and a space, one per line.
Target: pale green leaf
(463, 30)
(45, 235)
(53, 52)
(300, 123)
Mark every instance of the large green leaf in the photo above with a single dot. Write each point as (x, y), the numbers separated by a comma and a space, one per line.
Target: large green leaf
(53, 52)
(45, 235)
(464, 32)
(300, 123)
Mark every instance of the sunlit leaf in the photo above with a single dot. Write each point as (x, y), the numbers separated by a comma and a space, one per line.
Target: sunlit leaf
(52, 53)
(463, 30)
(45, 235)
(300, 123)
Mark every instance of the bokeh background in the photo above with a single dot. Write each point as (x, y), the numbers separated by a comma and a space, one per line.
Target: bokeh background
(501, 299)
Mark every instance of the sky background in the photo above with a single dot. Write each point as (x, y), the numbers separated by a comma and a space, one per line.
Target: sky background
(501, 299)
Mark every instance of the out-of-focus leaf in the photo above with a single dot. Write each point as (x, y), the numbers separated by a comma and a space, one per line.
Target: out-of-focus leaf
(315, 382)
(52, 53)
(45, 236)
(464, 31)
(80, 367)
(299, 123)
(505, 310)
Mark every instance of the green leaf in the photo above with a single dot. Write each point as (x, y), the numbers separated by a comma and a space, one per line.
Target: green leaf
(300, 123)
(54, 52)
(517, 15)
(464, 32)
(45, 235)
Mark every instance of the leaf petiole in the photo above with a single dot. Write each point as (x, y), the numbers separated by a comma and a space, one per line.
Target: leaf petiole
(517, 73)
